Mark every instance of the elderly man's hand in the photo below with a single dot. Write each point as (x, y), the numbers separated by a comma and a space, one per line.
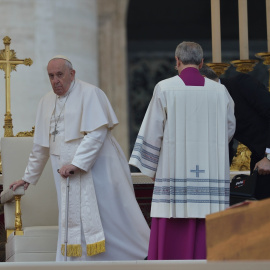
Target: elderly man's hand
(19, 183)
(68, 170)
(263, 166)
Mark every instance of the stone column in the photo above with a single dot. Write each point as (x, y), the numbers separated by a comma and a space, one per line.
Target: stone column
(39, 30)
(113, 62)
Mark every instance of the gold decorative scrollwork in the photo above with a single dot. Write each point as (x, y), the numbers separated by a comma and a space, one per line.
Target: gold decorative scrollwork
(7, 40)
(12, 55)
(18, 216)
(265, 56)
(2, 54)
(241, 162)
(26, 133)
(8, 125)
(244, 66)
(28, 62)
(219, 68)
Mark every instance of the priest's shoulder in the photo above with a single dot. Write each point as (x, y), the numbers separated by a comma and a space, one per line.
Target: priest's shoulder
(169, 81)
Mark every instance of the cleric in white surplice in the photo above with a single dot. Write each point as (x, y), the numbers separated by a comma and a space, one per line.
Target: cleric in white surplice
(73, 128)
(183, 144)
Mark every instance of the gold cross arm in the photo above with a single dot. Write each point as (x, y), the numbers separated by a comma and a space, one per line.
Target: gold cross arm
(26, 61)
(8, 63)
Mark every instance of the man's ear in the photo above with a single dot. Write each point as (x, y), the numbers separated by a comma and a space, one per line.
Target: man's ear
(72, 73)
(177, 62)
(201, 64)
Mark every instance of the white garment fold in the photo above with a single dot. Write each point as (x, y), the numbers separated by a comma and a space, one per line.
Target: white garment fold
(183, 143)
(37, 161)
(99, 156)
(89, 148)
(82, 205)
(126, 231)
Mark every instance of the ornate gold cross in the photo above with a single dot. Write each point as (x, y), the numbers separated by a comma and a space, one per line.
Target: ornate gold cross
(8, 63)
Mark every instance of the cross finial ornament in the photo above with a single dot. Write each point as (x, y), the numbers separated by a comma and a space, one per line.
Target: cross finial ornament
(8, 63)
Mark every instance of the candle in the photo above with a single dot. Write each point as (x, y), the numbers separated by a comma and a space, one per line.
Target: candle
(216, 36)
(243, 29)
(268, 23)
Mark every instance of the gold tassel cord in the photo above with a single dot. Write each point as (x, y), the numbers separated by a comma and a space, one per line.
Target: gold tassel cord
(76, 250)
(96, 248)
(72, 250)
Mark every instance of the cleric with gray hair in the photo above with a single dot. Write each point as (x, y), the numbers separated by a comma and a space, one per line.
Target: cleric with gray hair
(189, 53)
(183, 145)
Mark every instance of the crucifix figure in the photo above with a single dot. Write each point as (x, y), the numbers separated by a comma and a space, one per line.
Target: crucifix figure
(8, 63)
(55, 132)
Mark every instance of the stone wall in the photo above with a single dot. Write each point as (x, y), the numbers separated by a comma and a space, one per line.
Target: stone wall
(39, 30)
(113, 62)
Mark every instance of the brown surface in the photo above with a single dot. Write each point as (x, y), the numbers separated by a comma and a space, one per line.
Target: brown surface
(239, 233)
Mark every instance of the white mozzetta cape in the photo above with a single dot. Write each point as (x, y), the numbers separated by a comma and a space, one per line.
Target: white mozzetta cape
(82, 104)
(183, 143)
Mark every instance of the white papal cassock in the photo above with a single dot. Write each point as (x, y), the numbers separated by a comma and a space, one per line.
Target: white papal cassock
(183, 143)
(87, 119)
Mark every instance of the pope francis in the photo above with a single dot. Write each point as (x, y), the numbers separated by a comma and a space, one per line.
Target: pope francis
(73, 128)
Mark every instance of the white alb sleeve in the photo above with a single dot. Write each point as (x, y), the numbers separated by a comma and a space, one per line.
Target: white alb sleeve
(36, 163)
(89, 148)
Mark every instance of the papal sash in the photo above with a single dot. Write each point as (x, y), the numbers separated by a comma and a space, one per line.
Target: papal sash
(82, 207)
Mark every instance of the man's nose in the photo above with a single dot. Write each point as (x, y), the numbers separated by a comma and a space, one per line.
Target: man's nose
(55, 79)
